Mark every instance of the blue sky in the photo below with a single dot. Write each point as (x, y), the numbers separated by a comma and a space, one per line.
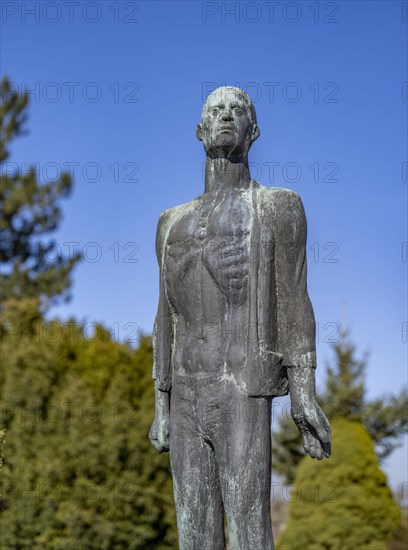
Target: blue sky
(117, 90)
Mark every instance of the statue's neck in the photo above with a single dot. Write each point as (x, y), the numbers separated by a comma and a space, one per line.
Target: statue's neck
(221, 173)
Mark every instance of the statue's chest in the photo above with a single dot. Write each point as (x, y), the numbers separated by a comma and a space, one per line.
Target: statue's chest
(210, 224)
(211, 239)
(229, 217)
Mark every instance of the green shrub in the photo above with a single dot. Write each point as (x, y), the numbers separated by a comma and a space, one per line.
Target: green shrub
(79, 470)
(343, 503)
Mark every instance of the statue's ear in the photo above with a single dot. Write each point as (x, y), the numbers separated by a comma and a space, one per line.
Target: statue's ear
(199, 131)
(256, 132)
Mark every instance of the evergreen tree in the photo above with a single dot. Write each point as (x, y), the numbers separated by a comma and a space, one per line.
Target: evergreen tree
(344, 395)
(2, 442)
(28, 211)
(400, 540)
(343, 503)
(79, 470)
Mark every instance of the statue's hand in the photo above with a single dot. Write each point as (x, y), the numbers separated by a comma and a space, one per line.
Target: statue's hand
(314, 428)
(159, 434)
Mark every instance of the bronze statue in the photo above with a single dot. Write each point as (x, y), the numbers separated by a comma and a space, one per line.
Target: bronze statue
(234, 329)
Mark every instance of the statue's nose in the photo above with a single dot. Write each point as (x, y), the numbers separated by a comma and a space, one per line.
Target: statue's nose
(227, 115)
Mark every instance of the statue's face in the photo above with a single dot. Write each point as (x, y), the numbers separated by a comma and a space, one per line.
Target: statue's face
(226, 128)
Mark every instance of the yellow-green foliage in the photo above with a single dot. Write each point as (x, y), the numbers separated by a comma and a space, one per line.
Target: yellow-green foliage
(343, 503)
(79, 470)
(2, 442)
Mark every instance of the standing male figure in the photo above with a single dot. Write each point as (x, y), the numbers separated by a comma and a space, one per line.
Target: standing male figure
(234, 328)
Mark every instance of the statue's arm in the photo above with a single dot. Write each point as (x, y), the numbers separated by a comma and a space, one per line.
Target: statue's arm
(162, 340)
(297, 327)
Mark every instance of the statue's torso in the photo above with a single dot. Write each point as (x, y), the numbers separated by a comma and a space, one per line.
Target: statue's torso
(206, 268)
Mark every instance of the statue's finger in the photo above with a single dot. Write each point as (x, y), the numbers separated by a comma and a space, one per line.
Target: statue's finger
(319, 453)
(323, 432)
(307, 442)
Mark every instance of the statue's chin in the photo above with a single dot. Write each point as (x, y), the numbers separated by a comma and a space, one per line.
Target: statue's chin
(225, 137)
(225, 145)
(225, 148)
(223, 142)
(230, 154)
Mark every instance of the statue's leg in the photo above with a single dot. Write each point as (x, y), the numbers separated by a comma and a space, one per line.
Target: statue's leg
(244, 455)
(197, 492)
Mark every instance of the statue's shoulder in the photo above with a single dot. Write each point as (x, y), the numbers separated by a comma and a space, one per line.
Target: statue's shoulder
(278, 195)
(169, 215)
(163, 227)
(280, 202)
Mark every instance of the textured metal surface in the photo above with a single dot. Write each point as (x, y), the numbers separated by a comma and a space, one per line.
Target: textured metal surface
(234, 328)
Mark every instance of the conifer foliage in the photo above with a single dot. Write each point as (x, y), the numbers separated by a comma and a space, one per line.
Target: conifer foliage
(32, 266)
(344, 395)
(344, 502)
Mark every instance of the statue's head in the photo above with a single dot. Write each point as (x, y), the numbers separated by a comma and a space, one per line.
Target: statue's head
(228, 124)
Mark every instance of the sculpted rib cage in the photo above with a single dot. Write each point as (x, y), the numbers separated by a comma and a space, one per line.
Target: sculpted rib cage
(206, 263)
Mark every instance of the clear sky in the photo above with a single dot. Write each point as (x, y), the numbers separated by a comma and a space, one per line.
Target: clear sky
(117, 90)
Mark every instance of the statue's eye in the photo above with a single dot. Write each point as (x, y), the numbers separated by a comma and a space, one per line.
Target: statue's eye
(238, 111)
(215, 111)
